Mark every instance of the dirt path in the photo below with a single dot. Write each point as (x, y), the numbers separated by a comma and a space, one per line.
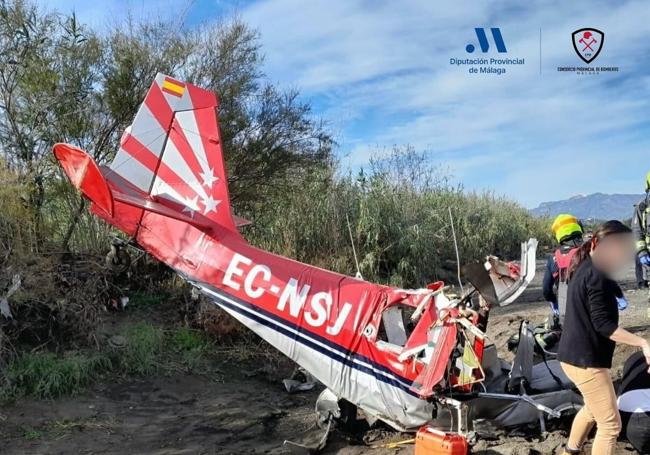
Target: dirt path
(176, 415)
(235, 411)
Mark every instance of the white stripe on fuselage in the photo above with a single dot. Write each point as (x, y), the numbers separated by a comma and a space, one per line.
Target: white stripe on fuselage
(389, 402)
(355, 360)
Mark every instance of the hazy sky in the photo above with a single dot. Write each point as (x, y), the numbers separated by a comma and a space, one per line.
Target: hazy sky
(380, 74)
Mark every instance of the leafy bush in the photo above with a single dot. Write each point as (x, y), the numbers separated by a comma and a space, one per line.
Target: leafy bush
(17, 233)
(147, 350)
(192, 345)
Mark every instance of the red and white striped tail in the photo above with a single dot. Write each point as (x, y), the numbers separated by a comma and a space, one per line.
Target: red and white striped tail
(172, 151)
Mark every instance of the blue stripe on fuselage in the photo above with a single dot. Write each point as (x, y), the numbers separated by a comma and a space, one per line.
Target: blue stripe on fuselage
(341, 354)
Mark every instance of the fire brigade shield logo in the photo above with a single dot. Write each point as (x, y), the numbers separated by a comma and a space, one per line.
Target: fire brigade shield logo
(588, 42)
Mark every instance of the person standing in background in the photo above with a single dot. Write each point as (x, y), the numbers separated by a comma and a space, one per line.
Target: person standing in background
(568, 233)
(590, 334)
(641, 229)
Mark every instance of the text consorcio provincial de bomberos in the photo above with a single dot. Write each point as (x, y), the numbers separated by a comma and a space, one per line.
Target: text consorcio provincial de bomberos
(486, 61)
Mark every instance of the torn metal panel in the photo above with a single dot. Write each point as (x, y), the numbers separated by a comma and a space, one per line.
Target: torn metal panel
(305, 448)
(499, 282)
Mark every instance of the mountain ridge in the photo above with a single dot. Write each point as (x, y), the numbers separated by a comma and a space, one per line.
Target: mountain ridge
(597, 206)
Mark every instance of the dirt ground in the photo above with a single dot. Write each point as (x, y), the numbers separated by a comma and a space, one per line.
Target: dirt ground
(244, 409)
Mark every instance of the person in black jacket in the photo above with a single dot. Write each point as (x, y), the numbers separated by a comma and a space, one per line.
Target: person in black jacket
(591, 332)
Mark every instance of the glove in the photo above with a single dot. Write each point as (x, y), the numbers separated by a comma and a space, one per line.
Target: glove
(644, 259)
(622, 303)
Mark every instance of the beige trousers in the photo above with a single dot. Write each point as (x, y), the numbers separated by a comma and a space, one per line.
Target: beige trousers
(595, 385)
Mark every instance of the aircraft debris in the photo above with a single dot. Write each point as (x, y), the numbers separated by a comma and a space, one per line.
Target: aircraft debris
(301, 381)
(5, 310)
(394, 445)
(315, 447)
(398, 355)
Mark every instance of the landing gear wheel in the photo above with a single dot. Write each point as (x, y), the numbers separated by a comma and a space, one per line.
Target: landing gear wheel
(118, 260)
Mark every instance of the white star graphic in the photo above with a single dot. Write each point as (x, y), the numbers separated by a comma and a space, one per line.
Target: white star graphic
(208, 177)
(191, 206)
(210, 205)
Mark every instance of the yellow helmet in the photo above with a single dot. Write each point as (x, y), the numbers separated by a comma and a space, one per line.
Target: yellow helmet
(647, 182)
(565, 226)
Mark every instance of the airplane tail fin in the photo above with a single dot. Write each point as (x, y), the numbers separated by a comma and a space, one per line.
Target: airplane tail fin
(172, 151)
(170, 159)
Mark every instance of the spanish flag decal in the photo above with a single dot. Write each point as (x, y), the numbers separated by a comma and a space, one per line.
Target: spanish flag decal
(173, 87)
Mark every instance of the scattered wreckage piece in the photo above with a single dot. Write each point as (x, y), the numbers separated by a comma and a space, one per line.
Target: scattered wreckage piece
(5, 310)
(300, 381)
(303, 448)
(501, 283)
(396, 354)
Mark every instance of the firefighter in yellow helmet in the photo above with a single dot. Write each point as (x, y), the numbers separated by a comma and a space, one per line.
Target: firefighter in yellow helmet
(569, 235)
(641, 229)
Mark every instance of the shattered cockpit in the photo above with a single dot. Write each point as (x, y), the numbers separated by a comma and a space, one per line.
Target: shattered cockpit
(442, 339)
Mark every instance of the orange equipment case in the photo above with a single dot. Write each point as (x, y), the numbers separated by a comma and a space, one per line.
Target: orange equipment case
(429, 441)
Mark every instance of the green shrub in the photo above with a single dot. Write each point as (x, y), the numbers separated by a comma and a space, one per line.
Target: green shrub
(398, 212)
(144, 299)
(47, 375)
(32, 434)
(185, 339)
(147, 350)
(191, 345)
(144, 346)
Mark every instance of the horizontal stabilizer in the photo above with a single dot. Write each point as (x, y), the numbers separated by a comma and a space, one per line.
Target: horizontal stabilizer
(85, 175)
(146, 203)
(88, 178)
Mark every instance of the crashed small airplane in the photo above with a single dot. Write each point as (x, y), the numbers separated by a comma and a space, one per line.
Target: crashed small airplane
(401, 356)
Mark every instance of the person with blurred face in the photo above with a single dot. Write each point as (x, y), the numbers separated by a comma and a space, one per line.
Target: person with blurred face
(591, 332)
